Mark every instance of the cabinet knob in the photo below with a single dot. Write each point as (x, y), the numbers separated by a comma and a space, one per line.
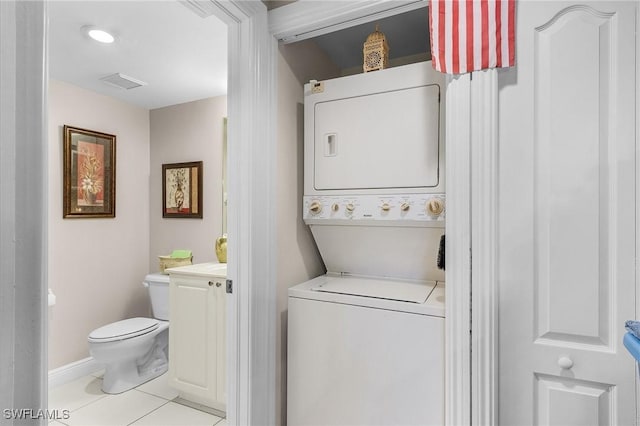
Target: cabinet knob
(210, 283)
(218, 283)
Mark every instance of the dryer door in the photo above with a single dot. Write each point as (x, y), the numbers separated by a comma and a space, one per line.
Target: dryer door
(382, 140)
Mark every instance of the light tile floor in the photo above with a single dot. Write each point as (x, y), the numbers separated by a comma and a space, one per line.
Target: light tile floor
(150, 404)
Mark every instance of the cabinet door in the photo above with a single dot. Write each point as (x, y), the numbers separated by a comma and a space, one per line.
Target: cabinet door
(193, 345)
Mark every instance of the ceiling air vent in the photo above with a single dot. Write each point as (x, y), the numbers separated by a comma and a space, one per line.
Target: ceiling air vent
(122, 81)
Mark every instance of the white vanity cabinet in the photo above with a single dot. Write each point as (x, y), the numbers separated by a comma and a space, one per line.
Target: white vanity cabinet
(197, 337)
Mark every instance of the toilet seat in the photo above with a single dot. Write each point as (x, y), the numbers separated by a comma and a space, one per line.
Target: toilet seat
(122, 330)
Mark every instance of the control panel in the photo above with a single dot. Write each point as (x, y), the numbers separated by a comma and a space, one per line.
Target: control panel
(405, 207)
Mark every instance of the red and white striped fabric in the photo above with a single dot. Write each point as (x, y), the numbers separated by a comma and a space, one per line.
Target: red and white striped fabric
(471, 35)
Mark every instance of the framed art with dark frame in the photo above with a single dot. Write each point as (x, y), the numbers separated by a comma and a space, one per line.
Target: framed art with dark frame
(182, 190)
(89, 173)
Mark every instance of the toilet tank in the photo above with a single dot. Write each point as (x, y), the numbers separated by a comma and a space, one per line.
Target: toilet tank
(158, 286)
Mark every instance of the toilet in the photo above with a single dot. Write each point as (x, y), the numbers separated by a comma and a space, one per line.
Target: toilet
(135, 350)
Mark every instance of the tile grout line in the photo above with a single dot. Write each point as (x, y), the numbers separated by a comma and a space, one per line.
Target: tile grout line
(98, 398)
(152, 394)
(155, 409)
(103, 395)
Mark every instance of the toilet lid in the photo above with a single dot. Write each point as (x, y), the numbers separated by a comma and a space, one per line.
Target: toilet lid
(124, 329)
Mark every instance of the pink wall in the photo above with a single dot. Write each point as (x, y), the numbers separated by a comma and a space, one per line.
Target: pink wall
(182, 133)
(96, 266)
(297, 259)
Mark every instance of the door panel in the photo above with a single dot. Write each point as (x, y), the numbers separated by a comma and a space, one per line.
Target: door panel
(564, 401)
(570, 261)
(567, 226)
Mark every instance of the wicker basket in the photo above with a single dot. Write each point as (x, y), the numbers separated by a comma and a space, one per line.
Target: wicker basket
(167, 262)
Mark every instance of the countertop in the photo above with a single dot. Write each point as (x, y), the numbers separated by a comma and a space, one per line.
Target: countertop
(209, 269)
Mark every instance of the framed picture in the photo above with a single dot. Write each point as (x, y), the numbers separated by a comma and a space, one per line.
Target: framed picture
(89, 174)
(182, 190)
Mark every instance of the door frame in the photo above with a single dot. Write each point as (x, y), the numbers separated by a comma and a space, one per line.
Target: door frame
(251, 307)
(23, 229)
(482, 99)
(471, 374)
(472, 303)
(23, 289)
(471, 291)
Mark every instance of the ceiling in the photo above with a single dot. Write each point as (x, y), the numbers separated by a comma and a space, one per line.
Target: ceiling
(181, 56)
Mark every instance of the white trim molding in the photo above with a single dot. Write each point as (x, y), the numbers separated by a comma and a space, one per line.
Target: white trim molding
(75, 370)
(305, 19)
(23, 220)
(472, 289)
(484, 217)
(251, 332)
(458, 252)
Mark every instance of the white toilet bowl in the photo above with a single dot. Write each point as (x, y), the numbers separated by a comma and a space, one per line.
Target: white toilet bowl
(135, 350)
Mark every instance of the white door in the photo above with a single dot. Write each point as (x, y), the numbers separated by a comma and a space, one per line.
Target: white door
(567, 225)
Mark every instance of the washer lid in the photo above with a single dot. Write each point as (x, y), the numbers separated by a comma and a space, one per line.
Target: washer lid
(124, 329)
(403, 291)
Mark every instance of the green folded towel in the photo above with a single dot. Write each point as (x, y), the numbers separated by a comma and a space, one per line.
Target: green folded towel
(181, 254)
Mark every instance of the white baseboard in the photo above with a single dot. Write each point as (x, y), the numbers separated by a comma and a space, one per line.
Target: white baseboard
(75, 370)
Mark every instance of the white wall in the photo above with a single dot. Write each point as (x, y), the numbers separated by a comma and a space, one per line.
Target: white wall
(187, 132)
(297, 257)
(96, 266)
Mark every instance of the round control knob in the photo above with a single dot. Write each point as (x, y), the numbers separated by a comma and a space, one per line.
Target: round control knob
(350, 207)
(565, 362)
(335, 207)
(404, 207)
(435, 206)
(385, 207)
(315, 207)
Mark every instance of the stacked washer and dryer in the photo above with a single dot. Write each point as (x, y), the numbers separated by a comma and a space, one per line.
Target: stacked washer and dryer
(366, 340)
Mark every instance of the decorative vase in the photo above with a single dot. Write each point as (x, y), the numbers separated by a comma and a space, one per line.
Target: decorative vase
(179, 197)
(221, 248)
(89, 197)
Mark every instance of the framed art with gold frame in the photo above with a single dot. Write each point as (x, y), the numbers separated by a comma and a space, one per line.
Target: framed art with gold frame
(89, 174)
(182, 190)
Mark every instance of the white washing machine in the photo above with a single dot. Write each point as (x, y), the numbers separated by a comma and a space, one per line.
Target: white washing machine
(366, 340)
(365, 351)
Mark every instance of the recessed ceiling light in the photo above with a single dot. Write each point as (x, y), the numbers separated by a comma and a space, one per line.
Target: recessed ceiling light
(98, 34)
